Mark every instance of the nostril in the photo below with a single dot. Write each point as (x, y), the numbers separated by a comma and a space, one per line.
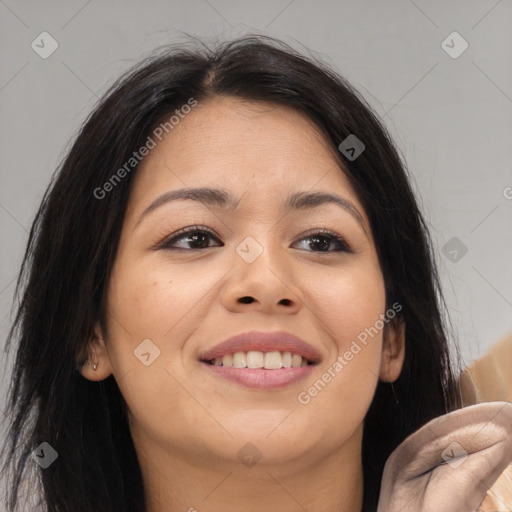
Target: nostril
(286, 302)
(246, 300)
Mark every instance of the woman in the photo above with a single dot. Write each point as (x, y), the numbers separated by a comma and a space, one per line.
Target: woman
(230, 303)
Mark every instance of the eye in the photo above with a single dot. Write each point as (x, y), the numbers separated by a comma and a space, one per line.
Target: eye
(323, 239)
(196, 236)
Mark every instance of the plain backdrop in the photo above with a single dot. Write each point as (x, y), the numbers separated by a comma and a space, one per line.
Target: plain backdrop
(450, 113)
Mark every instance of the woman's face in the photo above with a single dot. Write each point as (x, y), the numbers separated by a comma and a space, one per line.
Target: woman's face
(171, 299)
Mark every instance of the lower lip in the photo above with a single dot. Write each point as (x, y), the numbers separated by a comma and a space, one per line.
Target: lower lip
(260, 378)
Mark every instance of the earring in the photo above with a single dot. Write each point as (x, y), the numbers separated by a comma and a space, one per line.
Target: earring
(95, 365)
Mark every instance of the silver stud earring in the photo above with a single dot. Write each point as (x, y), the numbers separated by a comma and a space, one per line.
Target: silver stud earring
(95, 365)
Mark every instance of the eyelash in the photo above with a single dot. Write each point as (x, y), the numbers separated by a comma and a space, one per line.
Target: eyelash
(325, 233)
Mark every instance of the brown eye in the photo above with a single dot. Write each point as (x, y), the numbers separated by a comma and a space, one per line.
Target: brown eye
(324, 240)
(196, 237)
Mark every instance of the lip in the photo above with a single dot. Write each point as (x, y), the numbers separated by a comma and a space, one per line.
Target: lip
(261, 378)
(263, 342)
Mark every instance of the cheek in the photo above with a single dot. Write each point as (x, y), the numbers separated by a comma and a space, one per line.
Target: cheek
(152, 301)
(350, 302)
(139, 294)
(350, 307)
(156, 303)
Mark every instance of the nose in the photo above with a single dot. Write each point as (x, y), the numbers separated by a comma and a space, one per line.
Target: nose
(266, 285)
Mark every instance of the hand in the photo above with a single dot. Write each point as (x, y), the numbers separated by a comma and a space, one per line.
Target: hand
(450, 463)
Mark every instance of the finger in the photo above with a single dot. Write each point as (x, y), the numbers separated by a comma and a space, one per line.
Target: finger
(467, 482)
(454, 436)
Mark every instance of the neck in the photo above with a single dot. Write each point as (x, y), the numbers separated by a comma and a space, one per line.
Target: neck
(320, 482)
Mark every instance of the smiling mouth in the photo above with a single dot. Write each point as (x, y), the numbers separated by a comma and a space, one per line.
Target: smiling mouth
(254, 359)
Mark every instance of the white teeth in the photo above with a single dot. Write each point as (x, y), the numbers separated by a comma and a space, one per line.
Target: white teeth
(296, 361)
(227, 360)
(273, 360)
(256, 359)
(240, 360)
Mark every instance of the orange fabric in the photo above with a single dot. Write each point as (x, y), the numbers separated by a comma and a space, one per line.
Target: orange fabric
(489, 379)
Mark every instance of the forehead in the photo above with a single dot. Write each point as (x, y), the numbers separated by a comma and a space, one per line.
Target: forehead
(254, 149)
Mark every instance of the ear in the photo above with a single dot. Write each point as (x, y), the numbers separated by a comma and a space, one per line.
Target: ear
(97, 355)
(393, 350)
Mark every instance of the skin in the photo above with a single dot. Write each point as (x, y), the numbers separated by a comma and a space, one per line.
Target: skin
(188, 424)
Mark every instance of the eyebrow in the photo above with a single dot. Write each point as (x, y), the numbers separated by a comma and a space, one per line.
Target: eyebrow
(220, 198)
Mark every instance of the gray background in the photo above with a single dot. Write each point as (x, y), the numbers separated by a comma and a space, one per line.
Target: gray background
(451, 117)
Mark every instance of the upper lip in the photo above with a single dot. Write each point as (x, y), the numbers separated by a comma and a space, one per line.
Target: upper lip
(264, 342)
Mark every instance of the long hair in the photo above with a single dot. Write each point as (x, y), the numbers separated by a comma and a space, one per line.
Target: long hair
(61, 288)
